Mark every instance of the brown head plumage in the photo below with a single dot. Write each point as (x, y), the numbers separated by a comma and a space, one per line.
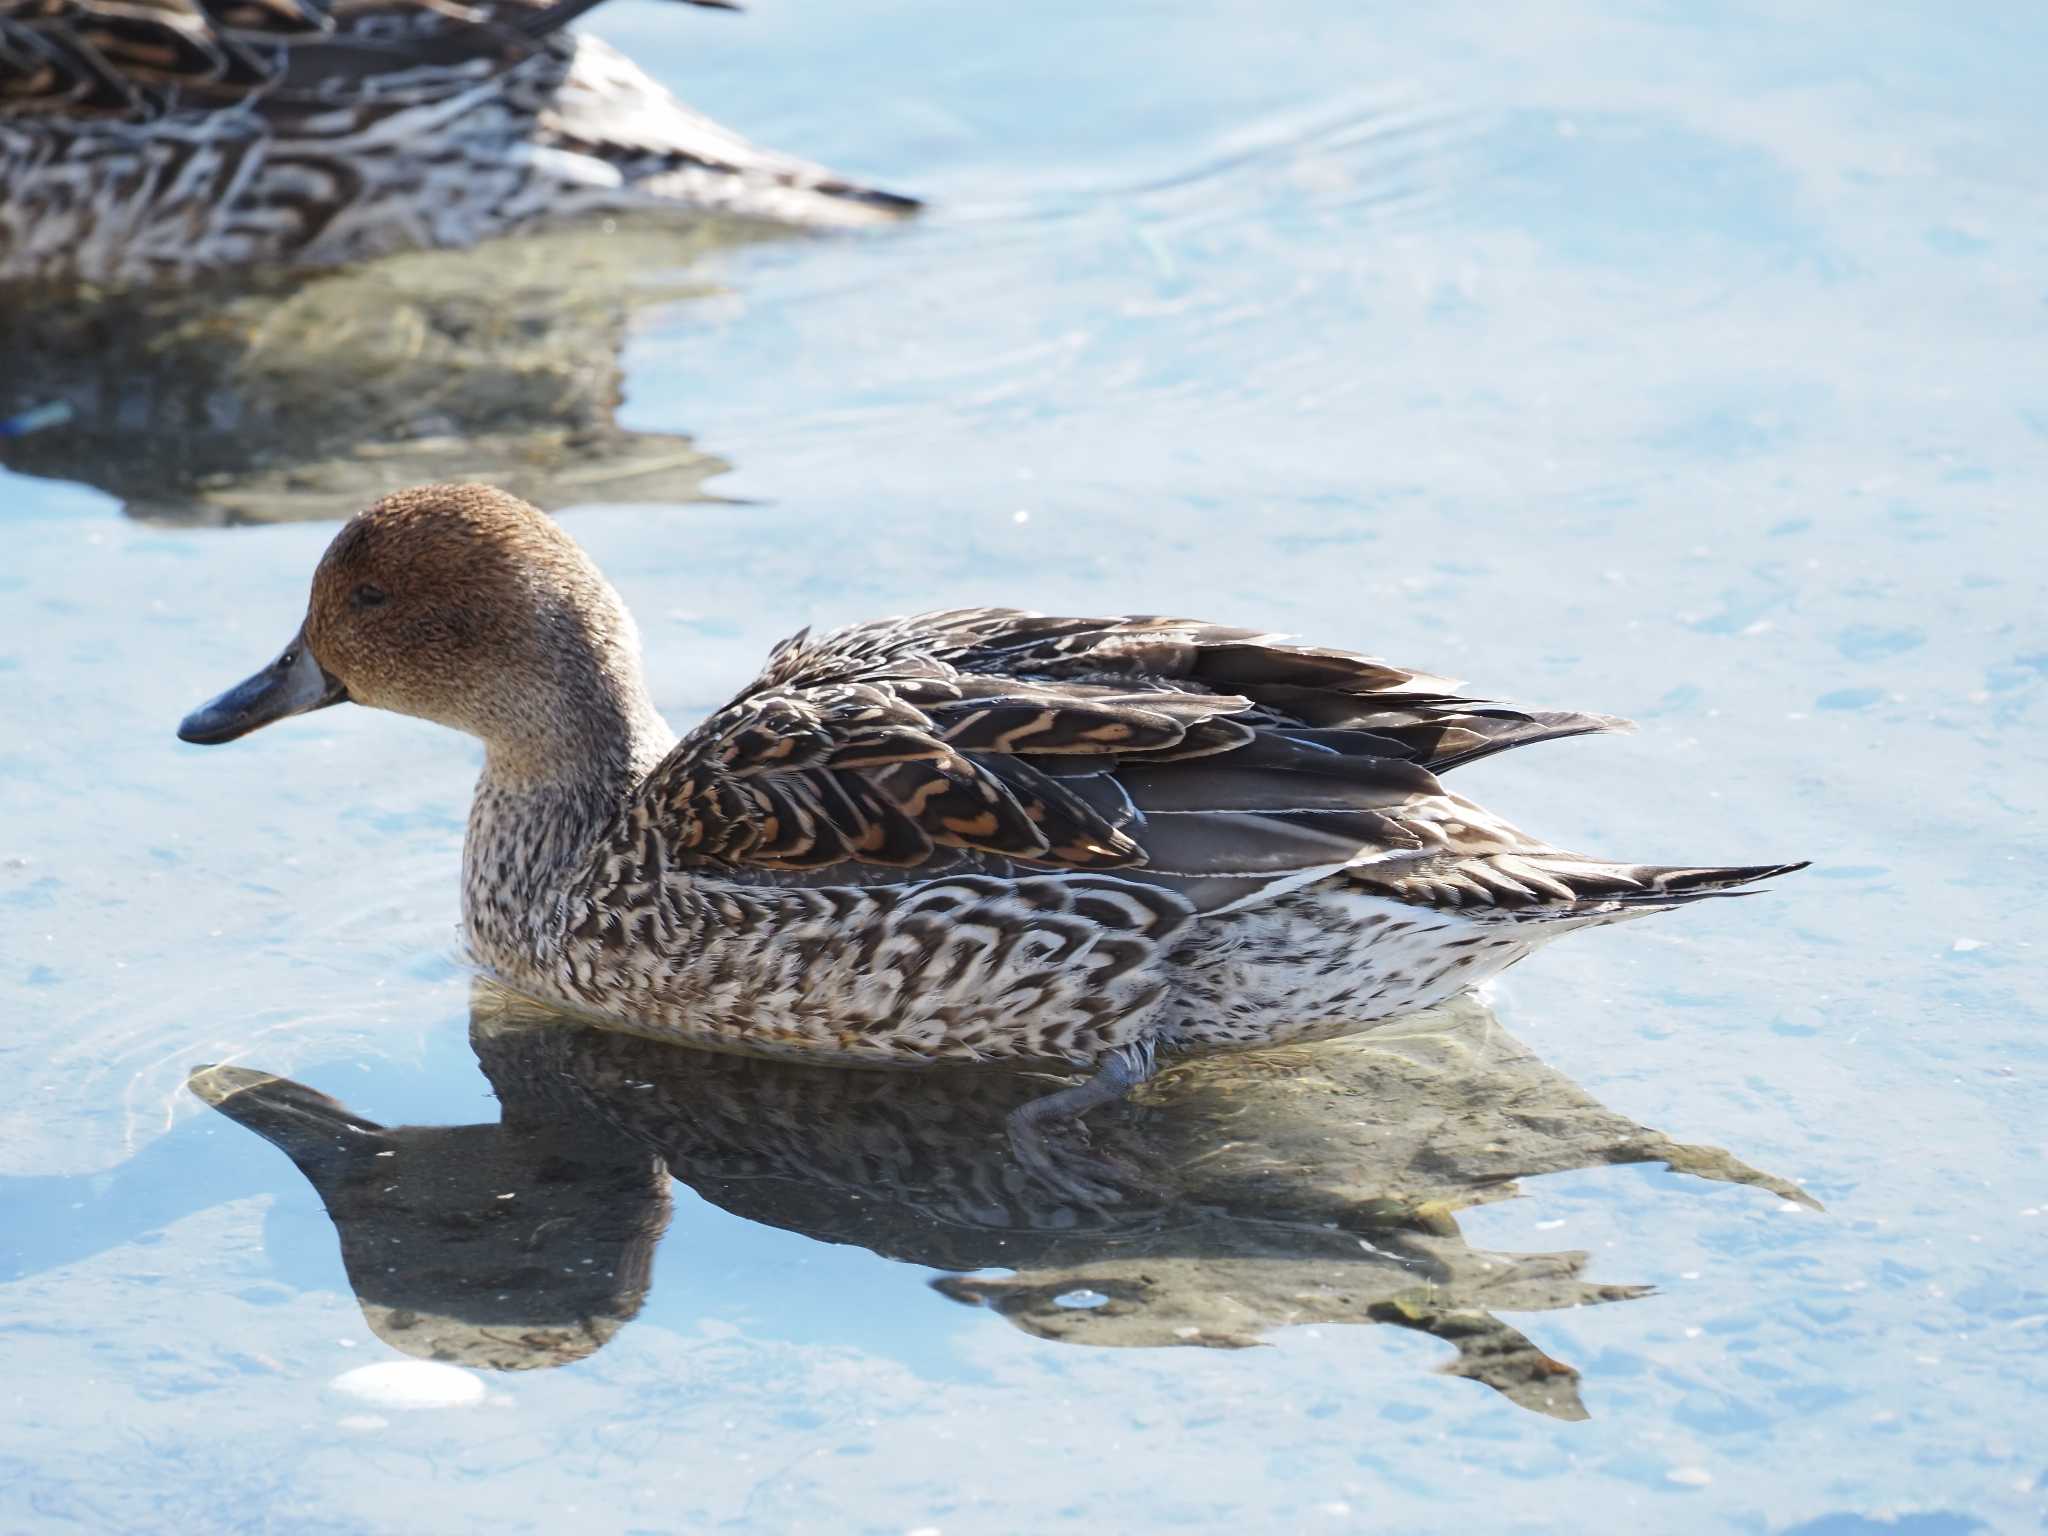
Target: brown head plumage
(457, 603)
(462, 605)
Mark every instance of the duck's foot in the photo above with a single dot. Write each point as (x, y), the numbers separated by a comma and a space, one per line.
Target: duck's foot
(1060, 1112)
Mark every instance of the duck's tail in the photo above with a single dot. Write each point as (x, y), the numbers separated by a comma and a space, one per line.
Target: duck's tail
(1583, 882)
(1555, 889)
(1563, 891)
(626, 142)
(1534, 882)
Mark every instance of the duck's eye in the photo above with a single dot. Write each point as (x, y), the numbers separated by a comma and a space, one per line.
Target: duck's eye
(366, 596)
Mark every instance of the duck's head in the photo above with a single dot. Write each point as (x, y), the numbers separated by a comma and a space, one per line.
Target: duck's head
(456, 603)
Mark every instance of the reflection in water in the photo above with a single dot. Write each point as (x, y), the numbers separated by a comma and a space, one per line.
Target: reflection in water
(1312, 1185)
(309, 396)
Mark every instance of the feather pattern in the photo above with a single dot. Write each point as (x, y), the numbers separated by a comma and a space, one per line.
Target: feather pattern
(1175, 751)
(153, 140)
(988, 833)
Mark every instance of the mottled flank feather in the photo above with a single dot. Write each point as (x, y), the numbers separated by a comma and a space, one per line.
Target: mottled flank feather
(153, 140)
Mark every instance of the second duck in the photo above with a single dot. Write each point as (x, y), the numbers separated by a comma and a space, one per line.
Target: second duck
(157, 142)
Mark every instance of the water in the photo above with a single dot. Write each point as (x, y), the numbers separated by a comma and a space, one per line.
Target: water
(1625, 359)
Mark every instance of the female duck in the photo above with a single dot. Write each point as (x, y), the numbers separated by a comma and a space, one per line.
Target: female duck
(972, 835)
(155, 141)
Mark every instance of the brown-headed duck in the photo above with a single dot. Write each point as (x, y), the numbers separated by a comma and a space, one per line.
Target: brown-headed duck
(973, 835)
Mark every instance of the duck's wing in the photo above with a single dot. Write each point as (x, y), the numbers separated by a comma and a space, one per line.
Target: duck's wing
(138, 59)
(1220, 762)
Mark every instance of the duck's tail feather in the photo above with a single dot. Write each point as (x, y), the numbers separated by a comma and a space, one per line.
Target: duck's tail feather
(1482, 732)
(893, 205)
(1661, 885)
(1550, 886)
(1602, 892)
(773, 196)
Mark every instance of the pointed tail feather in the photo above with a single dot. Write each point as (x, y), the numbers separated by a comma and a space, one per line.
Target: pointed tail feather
(776, 195)
(893, 204)
(1671, 885)
(1467, 738)
(1549, 886)
(1616, 891)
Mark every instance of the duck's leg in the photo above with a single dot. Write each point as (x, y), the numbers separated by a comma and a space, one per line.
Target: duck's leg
(1120, 1071)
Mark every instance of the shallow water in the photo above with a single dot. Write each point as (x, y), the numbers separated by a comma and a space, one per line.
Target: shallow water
(1610, 358)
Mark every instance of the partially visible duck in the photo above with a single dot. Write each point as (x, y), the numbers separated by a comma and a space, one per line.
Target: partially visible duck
(155, 140)
(975, 835)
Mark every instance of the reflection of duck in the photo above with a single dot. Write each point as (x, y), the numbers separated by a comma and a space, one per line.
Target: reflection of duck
(1254, 1191)
(304, 396)
(982, 834)
(150, 142)
(514, 1245)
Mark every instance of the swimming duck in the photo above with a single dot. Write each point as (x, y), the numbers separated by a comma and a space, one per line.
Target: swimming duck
(154, 140)
(974, 835)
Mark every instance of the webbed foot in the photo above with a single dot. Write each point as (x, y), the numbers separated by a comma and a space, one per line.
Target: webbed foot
(1072, 1172)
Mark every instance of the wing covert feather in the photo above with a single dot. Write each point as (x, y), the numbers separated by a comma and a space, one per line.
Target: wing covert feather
(1161, 749)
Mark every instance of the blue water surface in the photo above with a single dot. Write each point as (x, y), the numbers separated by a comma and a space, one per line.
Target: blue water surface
(1681, 363)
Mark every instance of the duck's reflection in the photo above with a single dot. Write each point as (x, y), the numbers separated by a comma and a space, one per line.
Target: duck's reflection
(291, 397)
(1297, 1186)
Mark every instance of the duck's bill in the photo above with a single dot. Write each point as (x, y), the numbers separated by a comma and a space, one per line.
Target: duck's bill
(291, 685)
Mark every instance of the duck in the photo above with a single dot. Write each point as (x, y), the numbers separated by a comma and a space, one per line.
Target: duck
(161, 141)
(977, 835)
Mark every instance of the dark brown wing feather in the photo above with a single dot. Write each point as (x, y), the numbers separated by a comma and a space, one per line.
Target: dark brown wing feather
(1215, 760)
(139, 59)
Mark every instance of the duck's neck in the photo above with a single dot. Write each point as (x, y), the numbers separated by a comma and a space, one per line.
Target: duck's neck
(545, 798)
